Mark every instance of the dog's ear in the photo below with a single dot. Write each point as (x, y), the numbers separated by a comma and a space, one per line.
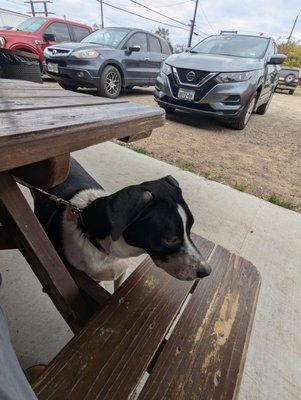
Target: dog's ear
(172, 181)
(125, 207)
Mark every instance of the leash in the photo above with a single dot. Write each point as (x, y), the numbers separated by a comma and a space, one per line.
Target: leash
(73, 209)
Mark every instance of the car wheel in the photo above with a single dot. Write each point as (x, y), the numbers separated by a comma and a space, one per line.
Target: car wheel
(291, 91)
(110, 82)
(242, 121)
(261, 110)
(68, 87)
(169, 110)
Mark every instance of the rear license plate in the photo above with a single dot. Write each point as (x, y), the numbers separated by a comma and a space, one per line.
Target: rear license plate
(186, 94)
(53, 68)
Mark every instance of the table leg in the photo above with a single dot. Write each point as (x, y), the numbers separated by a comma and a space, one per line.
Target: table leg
(28, 235)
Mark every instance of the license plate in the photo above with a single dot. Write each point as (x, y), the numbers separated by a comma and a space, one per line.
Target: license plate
(53, 68)
(186, 94)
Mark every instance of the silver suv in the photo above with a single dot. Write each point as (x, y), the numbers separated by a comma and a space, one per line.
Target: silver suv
(226, 76)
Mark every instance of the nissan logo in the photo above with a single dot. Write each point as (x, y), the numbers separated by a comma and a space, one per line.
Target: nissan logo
(190, 76)
(54, 51)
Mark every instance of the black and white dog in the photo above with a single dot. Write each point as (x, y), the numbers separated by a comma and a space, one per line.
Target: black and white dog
(150, 218)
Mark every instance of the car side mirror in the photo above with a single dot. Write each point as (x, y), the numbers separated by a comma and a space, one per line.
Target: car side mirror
(49, 37)
(132, 49)
(277, 59)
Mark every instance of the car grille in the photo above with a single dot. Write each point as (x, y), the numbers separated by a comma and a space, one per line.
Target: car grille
(198, 75)
(199, 93)
(188, 104)
(57, 51)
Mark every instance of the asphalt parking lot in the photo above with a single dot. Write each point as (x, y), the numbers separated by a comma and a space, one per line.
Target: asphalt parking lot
(263, 159)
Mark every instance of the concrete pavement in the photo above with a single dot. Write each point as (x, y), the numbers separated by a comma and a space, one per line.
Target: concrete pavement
(267, 235)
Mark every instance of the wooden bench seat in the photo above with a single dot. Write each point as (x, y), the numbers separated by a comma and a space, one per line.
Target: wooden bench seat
(186, 340)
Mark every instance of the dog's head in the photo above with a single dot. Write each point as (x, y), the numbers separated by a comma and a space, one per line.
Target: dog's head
(154, 218)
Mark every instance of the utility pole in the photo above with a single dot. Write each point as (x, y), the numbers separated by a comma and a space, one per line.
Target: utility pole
(32, 6)
(101, 12)
(193, 23)
(290, 35)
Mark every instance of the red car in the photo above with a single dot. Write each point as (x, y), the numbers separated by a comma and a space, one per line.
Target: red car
(36, 33)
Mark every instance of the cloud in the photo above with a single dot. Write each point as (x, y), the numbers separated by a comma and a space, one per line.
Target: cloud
(271, 17)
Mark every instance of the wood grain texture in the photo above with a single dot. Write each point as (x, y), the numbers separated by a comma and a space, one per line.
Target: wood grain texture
(107, 359)
(36, 94)
(205, 355)
(21, 224)
(49, 102)
(44, 174)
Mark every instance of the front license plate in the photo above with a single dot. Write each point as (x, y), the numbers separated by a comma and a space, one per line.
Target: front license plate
(186, 94)
(53, 68)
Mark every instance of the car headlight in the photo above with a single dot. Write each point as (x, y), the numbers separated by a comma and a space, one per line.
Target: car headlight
(2, 42)
(227, 77)
(87, 53)
(166, 69)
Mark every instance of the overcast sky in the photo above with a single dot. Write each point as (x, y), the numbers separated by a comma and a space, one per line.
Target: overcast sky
(271, 17)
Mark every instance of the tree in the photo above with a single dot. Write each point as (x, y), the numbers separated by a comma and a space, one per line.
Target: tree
(179, 48)
(164, 33)
(293, 52)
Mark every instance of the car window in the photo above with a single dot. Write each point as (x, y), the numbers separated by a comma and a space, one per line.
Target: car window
(59, 30)
(165, 47)
(154, 44)
(111, 37)
(138, 39)
(233, 45)
(31, 24)
(80, 32)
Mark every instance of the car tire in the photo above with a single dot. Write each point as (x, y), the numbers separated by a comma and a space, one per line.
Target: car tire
(65, 86)
(169, 110)
(261, 110)
(291, 91)
(242, 121)
(110, 83)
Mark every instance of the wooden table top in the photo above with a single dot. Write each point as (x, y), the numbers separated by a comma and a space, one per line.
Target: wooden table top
(38, 122)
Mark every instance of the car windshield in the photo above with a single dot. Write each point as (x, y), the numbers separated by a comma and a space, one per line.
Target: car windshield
(107, 37)
(31, 24)
(237, 46)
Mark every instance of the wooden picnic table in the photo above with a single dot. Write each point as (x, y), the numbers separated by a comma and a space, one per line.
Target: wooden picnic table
(156, 337)
(39, 128)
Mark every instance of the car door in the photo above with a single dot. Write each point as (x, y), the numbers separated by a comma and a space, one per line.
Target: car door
(156, 57)
(61, 32)
(271, 72)
(136, 63)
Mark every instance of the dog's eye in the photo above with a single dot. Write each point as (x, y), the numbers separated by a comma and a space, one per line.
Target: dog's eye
(171, 241)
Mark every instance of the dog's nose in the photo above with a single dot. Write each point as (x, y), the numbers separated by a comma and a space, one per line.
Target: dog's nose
(204, 270)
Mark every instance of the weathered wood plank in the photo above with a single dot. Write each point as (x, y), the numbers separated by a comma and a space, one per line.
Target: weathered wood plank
(49, 102)
(44, 174)
(62, 138)
(21, 224)
(13, 83)
(33, 121)
(106, 360)
(205, 355)
(27, 92)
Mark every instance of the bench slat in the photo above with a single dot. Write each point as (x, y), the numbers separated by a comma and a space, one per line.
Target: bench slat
(205, 355)
(109, 356)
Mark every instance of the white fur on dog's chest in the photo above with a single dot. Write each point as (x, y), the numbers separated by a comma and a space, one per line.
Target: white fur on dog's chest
(81, 253)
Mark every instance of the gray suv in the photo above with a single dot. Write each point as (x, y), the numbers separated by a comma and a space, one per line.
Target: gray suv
(227, 76)
(108, 59)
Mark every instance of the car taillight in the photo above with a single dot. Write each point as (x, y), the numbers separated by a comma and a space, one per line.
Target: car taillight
(2, 42)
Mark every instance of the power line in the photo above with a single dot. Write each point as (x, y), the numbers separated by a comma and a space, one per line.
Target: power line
(157, 12)
(209, 23)
(142, 16)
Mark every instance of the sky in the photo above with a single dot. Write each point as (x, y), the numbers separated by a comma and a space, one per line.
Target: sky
(270, 17)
